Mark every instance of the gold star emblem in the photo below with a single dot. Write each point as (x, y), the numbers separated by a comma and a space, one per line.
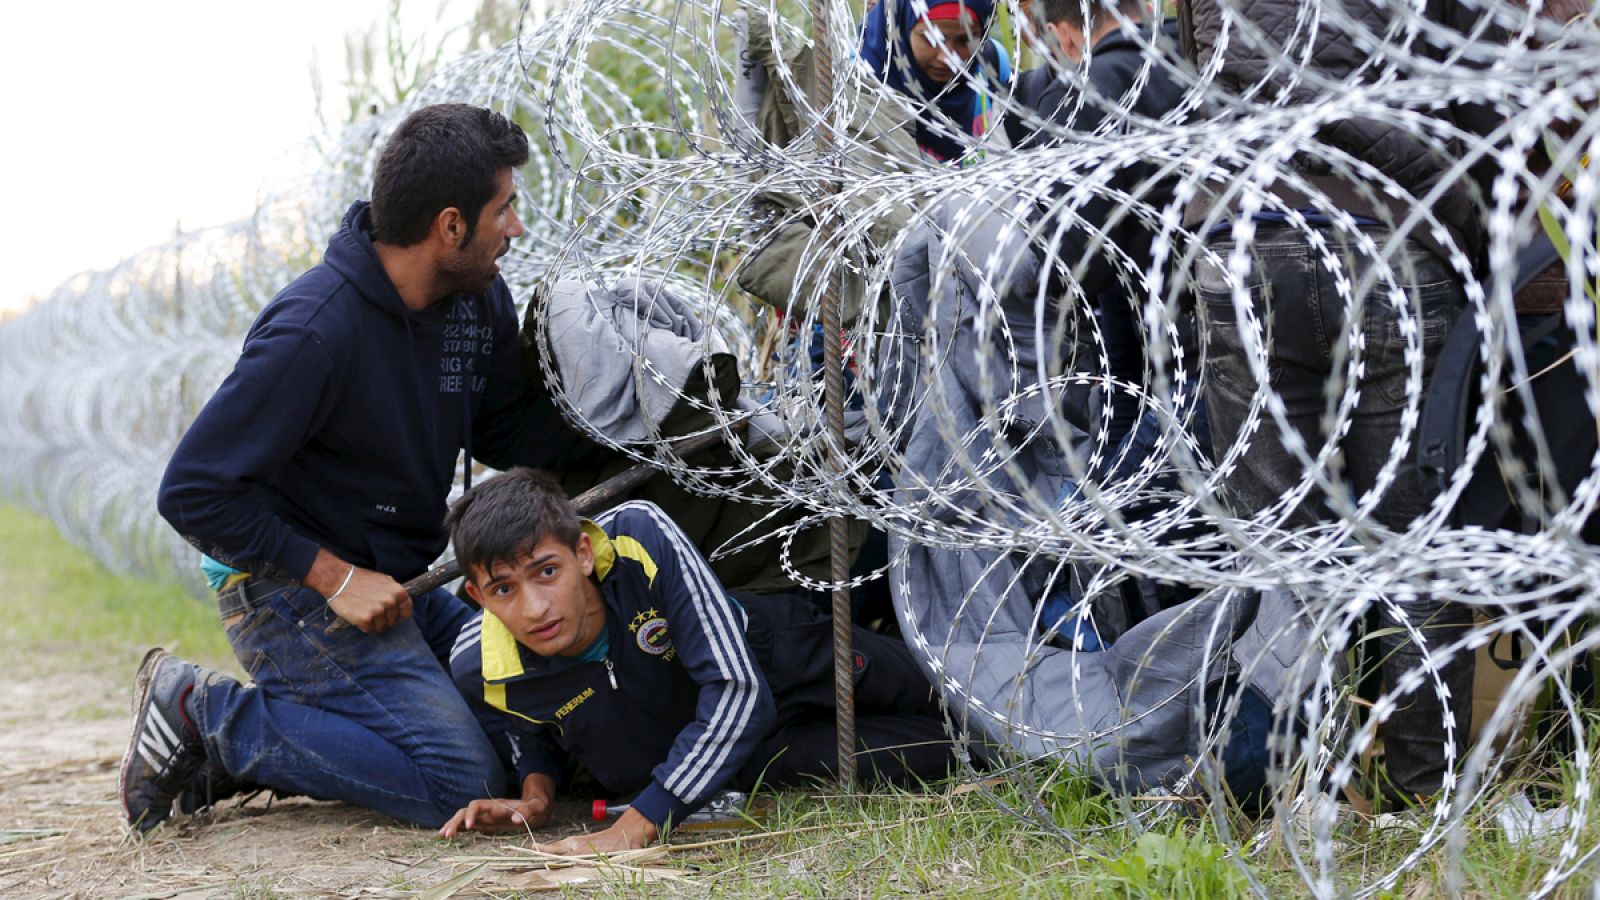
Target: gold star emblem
(640, 619)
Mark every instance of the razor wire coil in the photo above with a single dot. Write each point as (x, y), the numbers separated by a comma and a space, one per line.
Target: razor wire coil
(98, 382)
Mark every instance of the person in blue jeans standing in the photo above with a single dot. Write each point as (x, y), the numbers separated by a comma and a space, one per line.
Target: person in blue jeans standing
(315, 482)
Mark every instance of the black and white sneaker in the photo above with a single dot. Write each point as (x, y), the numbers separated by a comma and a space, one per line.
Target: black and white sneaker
(209, 787)
(165, 753)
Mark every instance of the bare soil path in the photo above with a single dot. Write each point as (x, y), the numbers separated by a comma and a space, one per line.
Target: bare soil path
(62, 832)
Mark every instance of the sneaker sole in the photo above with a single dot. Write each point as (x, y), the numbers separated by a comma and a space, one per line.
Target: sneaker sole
(141, 693)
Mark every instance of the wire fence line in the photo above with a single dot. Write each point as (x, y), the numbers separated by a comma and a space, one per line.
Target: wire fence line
(1074, 550)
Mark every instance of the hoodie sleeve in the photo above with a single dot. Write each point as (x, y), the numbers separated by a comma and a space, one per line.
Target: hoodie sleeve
(277, 397)
(735, 709)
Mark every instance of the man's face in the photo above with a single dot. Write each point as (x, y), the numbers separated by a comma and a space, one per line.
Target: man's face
(935, 61)
(545, 598)
(471, 269)
(1071, 39)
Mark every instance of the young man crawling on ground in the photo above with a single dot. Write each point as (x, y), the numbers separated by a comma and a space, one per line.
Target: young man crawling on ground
(609, 645)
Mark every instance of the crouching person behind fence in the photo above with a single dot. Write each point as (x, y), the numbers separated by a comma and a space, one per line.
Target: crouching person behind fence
(610, 645)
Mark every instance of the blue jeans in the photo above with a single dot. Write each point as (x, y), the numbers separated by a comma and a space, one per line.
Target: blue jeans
(335, 714)
(1295, 295)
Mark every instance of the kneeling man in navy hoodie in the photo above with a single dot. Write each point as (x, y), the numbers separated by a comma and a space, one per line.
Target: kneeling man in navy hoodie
(315, 482)
(610, 645)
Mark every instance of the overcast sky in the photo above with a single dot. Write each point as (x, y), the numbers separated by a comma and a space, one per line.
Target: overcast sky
(124, 118)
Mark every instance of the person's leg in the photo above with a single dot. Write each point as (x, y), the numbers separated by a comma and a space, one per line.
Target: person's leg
(1434, 300)
(1283, 295)
(1124, 349)
(1415, 735)
(1308, 317)
(340, 715)
(792, 639)
(892, 749)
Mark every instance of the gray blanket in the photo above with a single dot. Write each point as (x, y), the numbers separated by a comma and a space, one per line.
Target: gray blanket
(985, 452)
(626, 352)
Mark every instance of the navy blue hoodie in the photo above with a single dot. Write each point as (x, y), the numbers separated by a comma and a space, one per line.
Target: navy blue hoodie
(342, 422)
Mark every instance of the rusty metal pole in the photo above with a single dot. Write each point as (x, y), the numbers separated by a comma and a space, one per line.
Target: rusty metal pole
(822, 97)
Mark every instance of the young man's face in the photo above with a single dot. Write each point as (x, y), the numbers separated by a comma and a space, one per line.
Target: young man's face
(545, 598)
(1071, 38)
(471, 269)
(935, 61)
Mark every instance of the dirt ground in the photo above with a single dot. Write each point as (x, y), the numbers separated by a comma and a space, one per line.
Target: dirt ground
(62, 832)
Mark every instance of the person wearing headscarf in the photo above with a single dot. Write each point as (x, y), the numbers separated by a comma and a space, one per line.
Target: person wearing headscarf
(928, 57)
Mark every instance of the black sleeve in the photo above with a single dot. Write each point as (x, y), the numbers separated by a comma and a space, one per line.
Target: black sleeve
(280, 393)
(517, 423)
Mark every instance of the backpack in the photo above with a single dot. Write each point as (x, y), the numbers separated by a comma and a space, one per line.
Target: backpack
(1453, 396)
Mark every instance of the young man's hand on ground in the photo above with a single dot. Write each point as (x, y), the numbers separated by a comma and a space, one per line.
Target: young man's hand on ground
(631, 831)
(494, 815)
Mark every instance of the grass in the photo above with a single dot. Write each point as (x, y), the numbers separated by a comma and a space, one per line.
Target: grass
(60, 610)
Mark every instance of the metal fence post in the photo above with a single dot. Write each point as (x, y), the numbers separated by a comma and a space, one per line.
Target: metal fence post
(833, 395)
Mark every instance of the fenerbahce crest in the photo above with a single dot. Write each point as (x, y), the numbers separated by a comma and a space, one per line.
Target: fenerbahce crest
(650, 633)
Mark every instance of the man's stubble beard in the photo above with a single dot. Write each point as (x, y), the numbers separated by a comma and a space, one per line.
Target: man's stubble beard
(461, 275)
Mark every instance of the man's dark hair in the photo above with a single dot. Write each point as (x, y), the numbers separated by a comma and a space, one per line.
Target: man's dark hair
(1071, 11)
(441, 156)
(505, 517)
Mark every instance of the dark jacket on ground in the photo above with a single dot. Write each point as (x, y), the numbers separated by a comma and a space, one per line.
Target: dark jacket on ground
(1257, 68)
(343, 421)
